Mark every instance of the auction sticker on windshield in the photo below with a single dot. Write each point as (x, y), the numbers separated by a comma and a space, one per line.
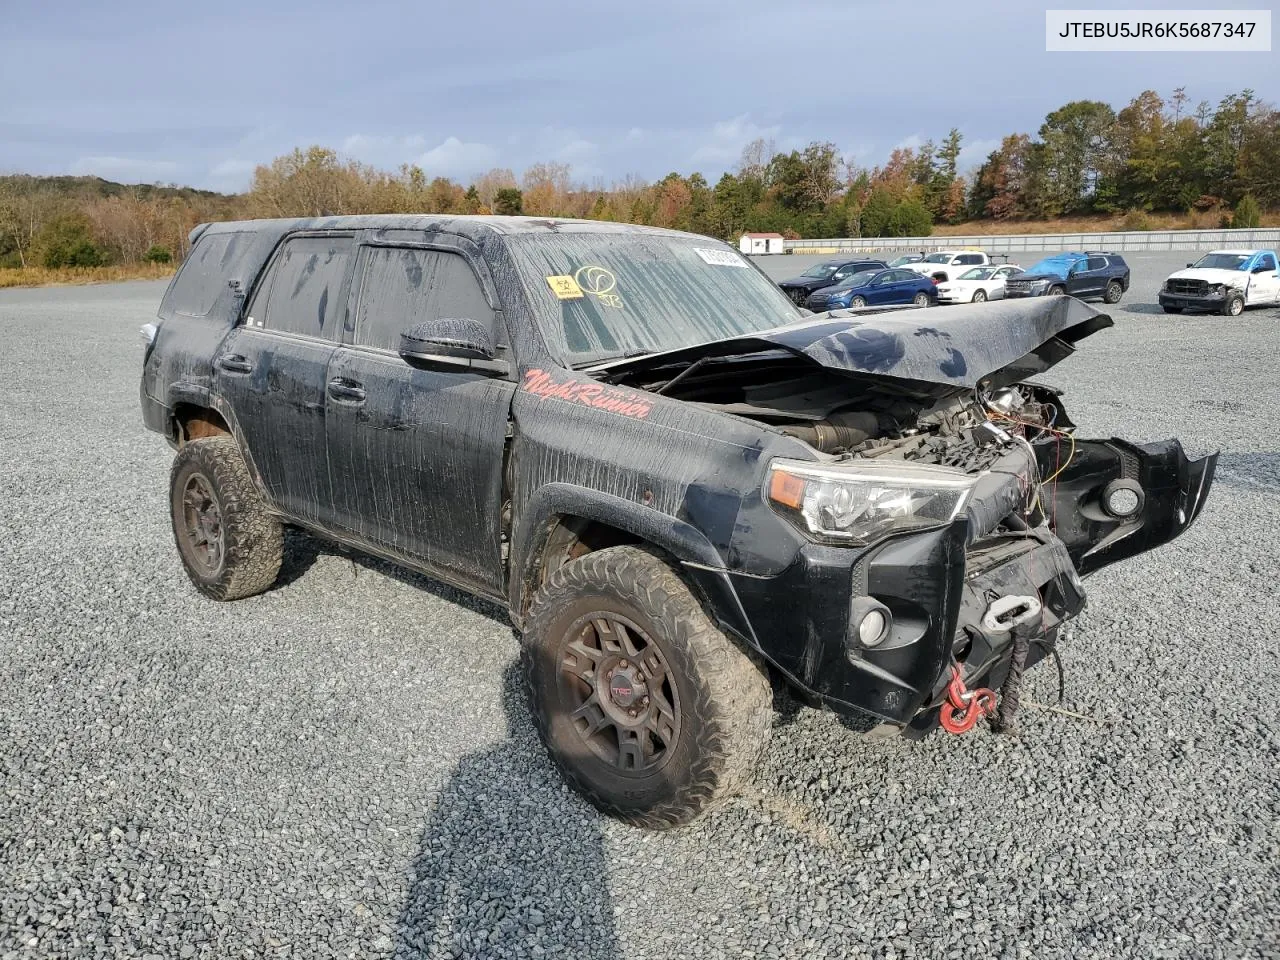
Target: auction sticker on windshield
(719, 258)
(565, 288)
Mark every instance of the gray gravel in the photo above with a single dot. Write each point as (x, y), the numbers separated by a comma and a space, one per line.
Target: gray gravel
(342, 767)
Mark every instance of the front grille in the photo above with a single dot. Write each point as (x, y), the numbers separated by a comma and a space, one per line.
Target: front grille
(798, 295)
(1189, 288)
(818, 301)
(1017, 286)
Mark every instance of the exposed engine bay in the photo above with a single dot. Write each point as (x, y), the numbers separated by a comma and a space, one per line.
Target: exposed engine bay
(980, 430)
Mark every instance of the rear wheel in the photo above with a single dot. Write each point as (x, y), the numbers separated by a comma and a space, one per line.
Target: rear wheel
(858, 302)
(979, 296)
(229, 542)
(920, 299)
(1113, 293)
(1234, 305)
(649, 710)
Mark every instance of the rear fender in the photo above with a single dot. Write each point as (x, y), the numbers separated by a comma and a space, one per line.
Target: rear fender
(1173, 490)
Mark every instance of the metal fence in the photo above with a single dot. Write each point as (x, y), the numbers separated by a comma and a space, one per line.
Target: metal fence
(1120, 241)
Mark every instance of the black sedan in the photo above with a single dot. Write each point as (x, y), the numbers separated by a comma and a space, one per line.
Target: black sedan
(826, 274)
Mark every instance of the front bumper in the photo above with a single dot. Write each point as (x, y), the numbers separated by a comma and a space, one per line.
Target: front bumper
(1212, 300)
(802, 617)
(939, 584)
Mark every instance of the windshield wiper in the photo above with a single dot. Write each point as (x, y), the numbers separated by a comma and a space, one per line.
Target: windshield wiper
(588, 364)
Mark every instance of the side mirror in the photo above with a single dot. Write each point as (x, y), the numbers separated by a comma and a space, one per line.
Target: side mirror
(459, 338)
(1190, 264)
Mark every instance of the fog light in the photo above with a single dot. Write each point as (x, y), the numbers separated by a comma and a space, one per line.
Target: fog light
(1122, 499)
(871, 629)
(869, 621)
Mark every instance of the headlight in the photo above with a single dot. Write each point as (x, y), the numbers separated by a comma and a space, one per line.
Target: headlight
(1037, 284)
(862, 500)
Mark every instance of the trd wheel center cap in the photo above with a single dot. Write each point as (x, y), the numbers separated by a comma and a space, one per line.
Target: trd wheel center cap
(625, 686)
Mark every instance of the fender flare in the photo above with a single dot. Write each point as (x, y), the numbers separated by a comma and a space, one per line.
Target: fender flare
(700, 561)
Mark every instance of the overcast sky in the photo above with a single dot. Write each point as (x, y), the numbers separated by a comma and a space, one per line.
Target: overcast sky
(199, 93)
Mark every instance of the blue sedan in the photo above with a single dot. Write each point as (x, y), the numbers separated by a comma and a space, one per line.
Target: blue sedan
(874, 288)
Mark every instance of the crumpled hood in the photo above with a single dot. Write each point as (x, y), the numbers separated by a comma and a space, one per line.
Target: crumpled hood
(1000, 342)
(1232, 278)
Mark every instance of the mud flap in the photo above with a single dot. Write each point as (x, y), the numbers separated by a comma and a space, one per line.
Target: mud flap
(1117, 499)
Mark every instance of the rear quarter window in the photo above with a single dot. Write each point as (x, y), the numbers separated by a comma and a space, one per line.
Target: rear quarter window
(204, 275)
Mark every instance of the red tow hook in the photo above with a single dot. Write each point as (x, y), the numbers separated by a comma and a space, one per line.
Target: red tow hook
(963, 707)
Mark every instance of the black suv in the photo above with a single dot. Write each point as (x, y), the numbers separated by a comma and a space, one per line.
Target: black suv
(1079, 275)
(680, 494)
(826, 274)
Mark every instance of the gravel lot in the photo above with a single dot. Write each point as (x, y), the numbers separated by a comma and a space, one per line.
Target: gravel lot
(342, 767)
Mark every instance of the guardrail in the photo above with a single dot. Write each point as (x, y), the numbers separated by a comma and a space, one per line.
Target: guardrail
(1267, 238)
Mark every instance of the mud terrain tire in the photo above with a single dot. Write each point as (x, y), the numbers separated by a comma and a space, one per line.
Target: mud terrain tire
(721, 699)
(228, 540)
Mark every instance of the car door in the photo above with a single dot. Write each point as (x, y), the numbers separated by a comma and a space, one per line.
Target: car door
(417, 451)
(271, 371)
(1089, 279)
(1264, 286)
(880, 289)
(998, 281)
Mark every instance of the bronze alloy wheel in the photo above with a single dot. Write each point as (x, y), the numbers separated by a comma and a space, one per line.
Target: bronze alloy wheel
(625, 706)
(203, 540)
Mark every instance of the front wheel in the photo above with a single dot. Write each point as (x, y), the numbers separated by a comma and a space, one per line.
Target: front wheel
(1113, 293)
(229, 542)
(920, 300)
(1057, 291)
(858, 302)
(1234, 305)
(648, 709)
(979, 296)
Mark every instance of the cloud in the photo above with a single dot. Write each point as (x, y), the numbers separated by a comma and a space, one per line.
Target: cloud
(232, 168)
(455, 158)
(125, 168)
(723, 145)
(973, 153)
(373, 147)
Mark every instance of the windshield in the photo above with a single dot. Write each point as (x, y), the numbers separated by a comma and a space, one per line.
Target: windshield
(1224, 261)
(1058, 266)
(909, 258)
(938, 258)
(603, 296)
(857, 280)
(821, 270)
(977, 273)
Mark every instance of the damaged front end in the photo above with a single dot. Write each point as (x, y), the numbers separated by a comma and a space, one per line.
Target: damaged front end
(946, 512)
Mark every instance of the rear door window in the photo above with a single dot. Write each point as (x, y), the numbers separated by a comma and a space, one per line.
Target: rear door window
(302, 294)
(1096, 263)
(401, 286)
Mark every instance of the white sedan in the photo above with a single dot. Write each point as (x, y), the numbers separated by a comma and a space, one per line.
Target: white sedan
(978, 284)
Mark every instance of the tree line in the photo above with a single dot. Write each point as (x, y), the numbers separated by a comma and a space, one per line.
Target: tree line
(1155, 154)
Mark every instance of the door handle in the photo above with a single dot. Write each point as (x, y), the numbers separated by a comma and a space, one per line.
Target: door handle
(234, 363)
(346, 390)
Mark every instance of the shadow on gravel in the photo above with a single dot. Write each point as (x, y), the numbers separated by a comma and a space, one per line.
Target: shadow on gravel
(1252, 470)
(509, 865)
(301, 550)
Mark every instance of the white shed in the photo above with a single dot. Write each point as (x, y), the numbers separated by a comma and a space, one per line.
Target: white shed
(758, 243)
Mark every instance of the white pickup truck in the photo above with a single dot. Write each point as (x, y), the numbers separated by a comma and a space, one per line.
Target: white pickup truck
(948, 264)
(1224, 281)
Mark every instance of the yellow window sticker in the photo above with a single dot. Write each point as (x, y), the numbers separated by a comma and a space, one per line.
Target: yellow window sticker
(565, 288)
